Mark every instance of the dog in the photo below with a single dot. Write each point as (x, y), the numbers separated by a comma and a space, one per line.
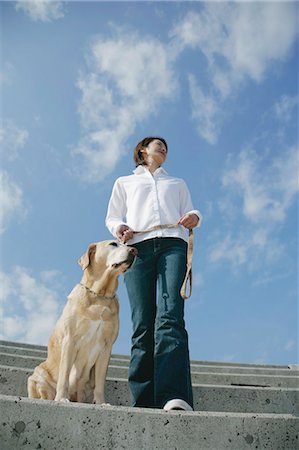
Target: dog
(80, 345)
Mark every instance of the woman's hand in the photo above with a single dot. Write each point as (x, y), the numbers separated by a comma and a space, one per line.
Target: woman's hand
(124, 233)
(189, 221)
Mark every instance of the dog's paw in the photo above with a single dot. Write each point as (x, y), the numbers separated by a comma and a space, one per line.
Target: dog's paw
(62, 400)
(101, 403)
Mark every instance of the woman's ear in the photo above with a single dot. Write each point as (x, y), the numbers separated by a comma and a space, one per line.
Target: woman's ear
(84, 261)
(143, 151)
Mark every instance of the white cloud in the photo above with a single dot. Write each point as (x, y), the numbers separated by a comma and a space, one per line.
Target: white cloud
(267, 189)
(6, 286)
(290, 345)
(230, 250)
(29, 308)
(285, 107)
(12, 139)
(263, 191)
(197, 279)
(124, 85)
(42, 10)
(249, 36)
(11, 200)
(254, 28)
(7, 72)
(240, 41)
(205, 112)
(248, 248)
(268, 277)
(49, 275)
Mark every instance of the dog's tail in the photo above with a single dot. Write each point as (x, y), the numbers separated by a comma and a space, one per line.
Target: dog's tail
(41, 385)
(31, 388)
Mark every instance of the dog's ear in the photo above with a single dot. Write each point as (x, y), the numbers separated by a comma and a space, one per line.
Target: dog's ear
(84, 261)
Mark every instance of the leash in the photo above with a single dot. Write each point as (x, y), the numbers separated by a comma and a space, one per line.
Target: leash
(188, 276)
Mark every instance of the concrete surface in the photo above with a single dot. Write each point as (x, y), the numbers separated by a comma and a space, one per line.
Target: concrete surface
(13, 381)
(196, 366)
(28, 424)
(229, 413)
(24, 346)
(262, 379)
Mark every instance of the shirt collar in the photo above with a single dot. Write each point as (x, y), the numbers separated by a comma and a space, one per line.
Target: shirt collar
(142, 169)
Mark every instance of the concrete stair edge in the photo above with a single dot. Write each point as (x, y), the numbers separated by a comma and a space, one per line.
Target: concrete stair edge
(44, 424)
(13, 381)
(127, 357)
(199, 366)
(203, 377)
(228, 416)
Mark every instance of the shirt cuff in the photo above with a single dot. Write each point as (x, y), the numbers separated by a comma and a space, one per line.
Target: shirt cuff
(195, 211)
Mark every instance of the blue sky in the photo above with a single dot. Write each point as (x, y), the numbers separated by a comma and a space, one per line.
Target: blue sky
(81, 84)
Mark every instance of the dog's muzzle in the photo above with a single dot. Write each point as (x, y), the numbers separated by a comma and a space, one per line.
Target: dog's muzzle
(130, 258)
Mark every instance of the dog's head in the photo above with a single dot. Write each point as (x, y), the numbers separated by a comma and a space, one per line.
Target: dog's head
(111, 255)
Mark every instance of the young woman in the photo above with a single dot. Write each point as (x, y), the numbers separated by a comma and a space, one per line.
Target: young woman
(159, 372)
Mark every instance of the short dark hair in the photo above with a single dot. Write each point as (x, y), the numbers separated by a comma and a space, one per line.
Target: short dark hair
(138, 155)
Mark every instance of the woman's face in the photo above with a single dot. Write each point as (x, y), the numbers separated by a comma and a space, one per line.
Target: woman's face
(156, 151)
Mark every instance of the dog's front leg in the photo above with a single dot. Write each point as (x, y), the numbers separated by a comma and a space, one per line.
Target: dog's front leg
(101, 367)
(66, 361)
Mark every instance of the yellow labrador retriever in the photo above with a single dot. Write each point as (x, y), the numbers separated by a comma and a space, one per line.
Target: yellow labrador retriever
(84, 334)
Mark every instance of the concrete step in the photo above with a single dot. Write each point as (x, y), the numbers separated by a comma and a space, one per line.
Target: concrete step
(229, 413)
(195, 367)
(207, 377)
(21, 348)
(32, 424)
(22, 345)
(223, 378)
(13, 381)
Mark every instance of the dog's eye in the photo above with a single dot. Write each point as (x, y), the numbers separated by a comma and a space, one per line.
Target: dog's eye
(114, 244)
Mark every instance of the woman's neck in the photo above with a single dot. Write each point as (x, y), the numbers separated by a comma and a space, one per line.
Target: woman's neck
(152, 166)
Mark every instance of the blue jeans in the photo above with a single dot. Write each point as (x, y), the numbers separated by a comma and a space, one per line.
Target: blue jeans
(159, 368)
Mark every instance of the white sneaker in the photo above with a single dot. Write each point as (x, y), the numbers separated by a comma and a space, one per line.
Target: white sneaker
(177, 403)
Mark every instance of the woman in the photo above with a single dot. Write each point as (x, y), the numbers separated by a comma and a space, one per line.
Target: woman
(159, 372)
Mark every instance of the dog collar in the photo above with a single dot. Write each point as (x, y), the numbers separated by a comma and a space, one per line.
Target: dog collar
(105, 297)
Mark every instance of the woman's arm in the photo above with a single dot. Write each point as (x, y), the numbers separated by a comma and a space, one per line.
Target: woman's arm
(116, 213)
(190, 218)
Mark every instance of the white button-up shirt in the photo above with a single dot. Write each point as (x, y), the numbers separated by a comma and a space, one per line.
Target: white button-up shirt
(144, 200)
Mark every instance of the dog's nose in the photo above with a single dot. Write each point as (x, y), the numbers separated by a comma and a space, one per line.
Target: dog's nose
(133, 250)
